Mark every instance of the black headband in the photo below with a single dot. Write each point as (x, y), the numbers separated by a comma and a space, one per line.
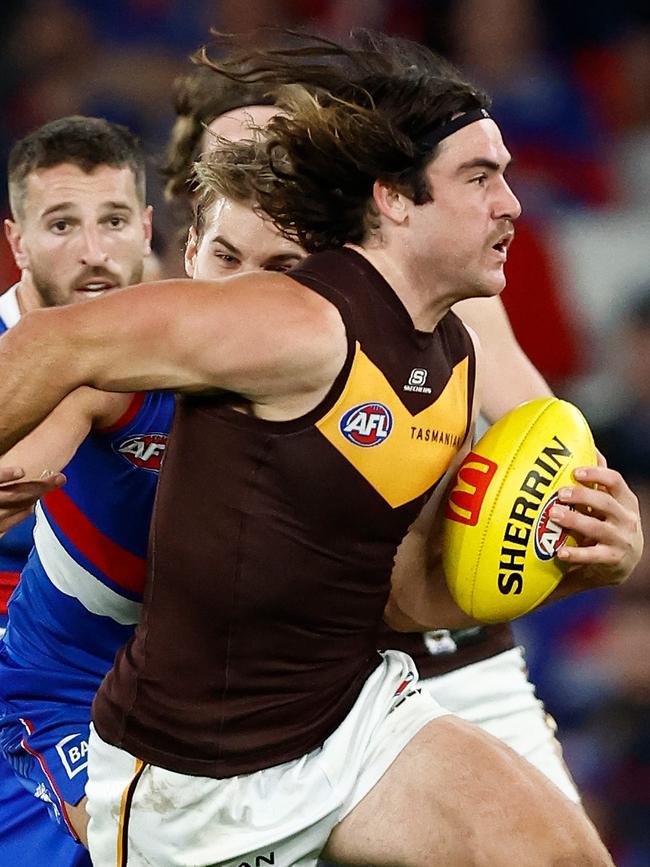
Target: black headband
(431, 139)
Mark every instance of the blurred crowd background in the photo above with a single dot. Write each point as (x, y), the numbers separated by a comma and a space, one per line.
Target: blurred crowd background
(571, 89)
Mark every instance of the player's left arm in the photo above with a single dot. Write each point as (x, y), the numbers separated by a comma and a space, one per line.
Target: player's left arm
(419, 599)
(505, 378)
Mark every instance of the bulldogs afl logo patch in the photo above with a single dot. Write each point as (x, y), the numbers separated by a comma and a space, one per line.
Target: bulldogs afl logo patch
(548, 536)
(144, 451)
(367, 425)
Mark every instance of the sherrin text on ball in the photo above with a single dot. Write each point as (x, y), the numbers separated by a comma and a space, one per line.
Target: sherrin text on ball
(499, 543)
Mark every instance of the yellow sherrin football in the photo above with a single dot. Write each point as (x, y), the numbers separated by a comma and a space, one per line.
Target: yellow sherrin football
(499, 543)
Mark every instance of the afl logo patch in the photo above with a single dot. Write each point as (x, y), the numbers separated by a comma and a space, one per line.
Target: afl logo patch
(548, 536)
(367, 425)
(144, 451)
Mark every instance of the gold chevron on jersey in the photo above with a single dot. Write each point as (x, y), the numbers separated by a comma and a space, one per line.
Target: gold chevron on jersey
(400, 454)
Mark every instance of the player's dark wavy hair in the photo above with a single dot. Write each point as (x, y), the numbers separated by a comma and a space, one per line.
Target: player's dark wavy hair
(87, 142)
(357, 113)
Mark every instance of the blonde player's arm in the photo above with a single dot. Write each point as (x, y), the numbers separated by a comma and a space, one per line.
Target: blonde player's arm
(42, 454)
(509, 377)
(265, 337)
(419, 598)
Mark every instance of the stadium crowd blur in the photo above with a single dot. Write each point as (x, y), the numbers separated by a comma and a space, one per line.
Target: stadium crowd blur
(571, 88)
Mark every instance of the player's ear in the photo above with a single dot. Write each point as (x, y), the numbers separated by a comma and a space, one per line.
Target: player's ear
(147, 216)
(14, 238)
(390, 202)
(191, 248)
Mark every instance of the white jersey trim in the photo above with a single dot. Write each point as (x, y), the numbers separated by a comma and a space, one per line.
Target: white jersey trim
(71, 578)
(9, 309)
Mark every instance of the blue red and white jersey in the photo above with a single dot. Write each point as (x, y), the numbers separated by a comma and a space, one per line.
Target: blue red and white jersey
(80, 593)
(16, 543)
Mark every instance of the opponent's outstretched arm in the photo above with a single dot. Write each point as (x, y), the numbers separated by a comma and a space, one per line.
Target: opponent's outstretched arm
(262, 336)
(33, 466)
(19, 493)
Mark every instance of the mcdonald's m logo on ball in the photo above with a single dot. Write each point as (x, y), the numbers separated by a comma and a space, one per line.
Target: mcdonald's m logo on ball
(472, 481)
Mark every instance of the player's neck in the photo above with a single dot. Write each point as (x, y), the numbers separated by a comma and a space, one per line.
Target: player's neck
(411, 285)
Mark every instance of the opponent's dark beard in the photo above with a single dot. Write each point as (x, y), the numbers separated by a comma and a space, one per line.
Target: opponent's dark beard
(54, 296)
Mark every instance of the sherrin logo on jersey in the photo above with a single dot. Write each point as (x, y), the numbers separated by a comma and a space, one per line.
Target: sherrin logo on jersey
(144, 451)
(548, 537)
(367, 425)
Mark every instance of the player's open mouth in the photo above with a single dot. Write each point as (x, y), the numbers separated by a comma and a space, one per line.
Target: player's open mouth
(503, 243)
(95, 288)
(501, 250)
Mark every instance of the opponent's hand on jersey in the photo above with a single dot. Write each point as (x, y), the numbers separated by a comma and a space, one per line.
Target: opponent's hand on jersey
(18, 496)
(607, 521)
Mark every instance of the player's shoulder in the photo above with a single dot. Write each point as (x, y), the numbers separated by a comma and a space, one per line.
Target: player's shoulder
(274, 297)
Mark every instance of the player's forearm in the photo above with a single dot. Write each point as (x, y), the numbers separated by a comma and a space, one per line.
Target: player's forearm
(426, 607)
(51, 446)
(419, 598)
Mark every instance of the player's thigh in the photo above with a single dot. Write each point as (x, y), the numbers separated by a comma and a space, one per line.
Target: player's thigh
(495, 694)
(458, 797)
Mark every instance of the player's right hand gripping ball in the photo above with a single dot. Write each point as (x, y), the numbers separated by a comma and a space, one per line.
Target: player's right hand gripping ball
(499, 542)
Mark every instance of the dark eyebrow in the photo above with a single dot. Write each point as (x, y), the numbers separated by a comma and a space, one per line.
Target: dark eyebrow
(482, 163)
(479, 163)
(117, 206)
(283, 257)
(219, 239)
(61, 206)
(66, 206)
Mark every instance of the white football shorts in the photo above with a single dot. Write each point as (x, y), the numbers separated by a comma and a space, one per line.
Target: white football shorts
(143, 815)
(496, 695)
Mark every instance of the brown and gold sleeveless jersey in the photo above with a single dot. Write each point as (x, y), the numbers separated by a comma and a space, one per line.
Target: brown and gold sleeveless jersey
(273, 543)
